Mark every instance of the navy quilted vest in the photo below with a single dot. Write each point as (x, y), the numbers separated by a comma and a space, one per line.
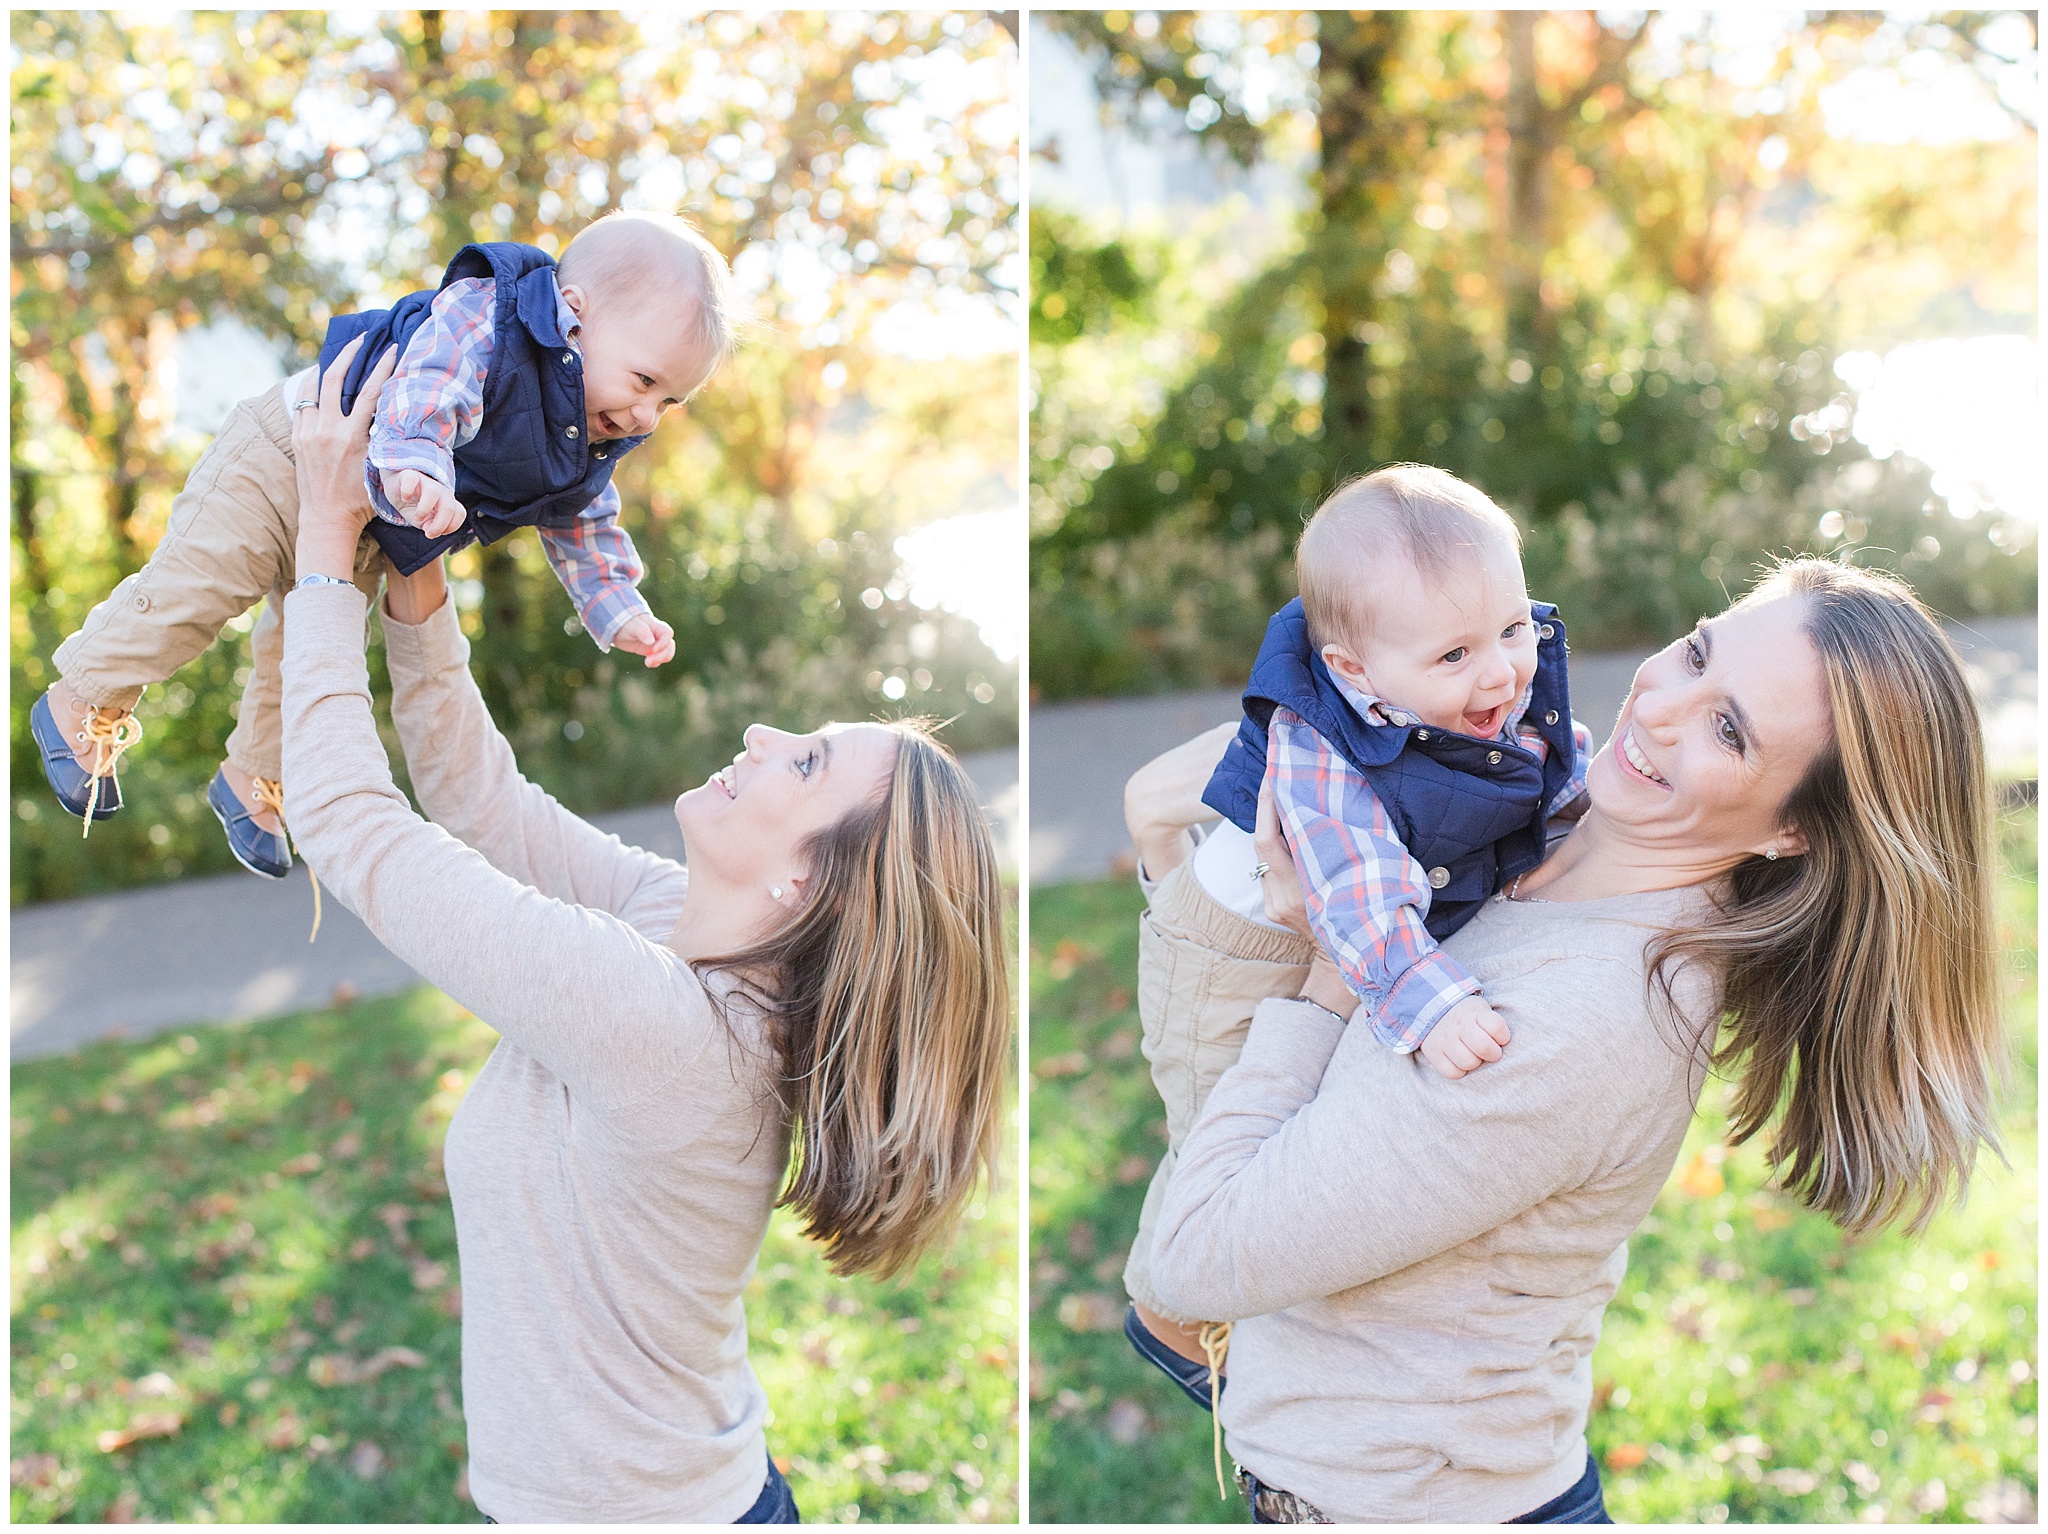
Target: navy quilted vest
(531, 462)
(1469, 811)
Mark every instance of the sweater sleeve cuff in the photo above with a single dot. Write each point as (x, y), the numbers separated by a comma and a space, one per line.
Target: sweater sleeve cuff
(1294, 1038)
(435, 644)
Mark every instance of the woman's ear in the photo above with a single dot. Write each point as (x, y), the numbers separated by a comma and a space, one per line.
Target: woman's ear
(1790, 842)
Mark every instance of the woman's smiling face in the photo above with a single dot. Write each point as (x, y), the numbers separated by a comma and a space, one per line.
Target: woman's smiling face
(749, 820)
(1719, 728)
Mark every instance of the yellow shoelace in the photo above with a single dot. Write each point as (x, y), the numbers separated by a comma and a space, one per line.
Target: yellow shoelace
(1215, 1341)
(270, 795)
(108, 736)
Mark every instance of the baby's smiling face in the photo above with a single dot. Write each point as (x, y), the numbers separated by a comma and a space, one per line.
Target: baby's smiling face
(1455, 652)
(640, 358)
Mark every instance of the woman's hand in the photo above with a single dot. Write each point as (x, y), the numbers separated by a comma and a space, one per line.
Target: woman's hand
(1164, 798)
(1280, 884)
(328, 446)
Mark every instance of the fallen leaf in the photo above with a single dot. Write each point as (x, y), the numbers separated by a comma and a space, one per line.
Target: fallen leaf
(36, 1470)
(1126, 1421)
(162, 1424)
(350, 1144)
(329, 1369)
(1626, 1456)
(386, 1359)
(367, 1460)
(1091, 1313)
(126, 1508)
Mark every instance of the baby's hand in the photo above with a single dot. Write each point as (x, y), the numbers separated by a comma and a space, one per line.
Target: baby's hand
(645, 634)
(1468, 1036)
(423, 501)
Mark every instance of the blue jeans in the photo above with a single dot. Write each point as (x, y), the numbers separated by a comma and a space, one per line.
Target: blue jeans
(1582, 1504)
(776, 1504)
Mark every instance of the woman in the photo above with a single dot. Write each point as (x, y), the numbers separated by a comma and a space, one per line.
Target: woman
(830, 970)
(1789, 828)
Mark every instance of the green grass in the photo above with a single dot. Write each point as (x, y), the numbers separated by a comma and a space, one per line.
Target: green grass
(1756, 1366)
(177, 1250)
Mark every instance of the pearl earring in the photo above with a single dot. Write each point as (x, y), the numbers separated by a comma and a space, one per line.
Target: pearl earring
(775, 890)
(1770, 854)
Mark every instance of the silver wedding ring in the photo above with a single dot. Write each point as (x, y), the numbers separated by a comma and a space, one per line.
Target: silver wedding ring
(1260, 870)
(306, 404)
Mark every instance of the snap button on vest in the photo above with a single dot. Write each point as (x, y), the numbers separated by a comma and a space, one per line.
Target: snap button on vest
(1493, 758)
(569, 431)
(1546, 631)
(1422, 735)
(1439, 877)
(603, 452)
(1550, 716)
(567, 358)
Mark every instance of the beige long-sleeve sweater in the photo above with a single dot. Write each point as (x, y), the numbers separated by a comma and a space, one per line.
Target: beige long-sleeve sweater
(613, 1165)
(1418, 1267)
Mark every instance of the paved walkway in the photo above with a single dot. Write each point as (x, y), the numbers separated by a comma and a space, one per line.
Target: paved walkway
(234, 948)
(1081, 753)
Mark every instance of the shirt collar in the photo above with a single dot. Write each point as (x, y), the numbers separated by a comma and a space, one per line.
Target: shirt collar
(1376, 710)
(565, 318)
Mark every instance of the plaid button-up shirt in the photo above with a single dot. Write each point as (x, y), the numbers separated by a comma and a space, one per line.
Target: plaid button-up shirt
(434, 404)
(1367, 897)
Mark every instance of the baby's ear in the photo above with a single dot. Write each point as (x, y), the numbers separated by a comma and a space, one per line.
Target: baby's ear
(574, 296)
(1344, 663)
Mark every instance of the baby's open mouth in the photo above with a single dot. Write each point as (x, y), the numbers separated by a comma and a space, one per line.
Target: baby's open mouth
(1486, 724)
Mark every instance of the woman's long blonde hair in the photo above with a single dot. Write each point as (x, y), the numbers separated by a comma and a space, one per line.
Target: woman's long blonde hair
(888, 999)
(1859, 979)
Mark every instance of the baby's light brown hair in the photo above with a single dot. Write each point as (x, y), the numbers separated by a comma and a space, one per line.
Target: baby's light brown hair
(663, 259)
(1435, 519)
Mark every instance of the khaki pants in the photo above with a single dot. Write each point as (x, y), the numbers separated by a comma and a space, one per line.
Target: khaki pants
(1202, 971)
(231, 543)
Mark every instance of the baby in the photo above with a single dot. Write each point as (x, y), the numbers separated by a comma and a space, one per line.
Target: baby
(519, 385)
(1411, 712)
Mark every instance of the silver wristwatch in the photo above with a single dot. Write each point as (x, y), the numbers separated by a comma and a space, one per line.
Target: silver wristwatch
(322, 580)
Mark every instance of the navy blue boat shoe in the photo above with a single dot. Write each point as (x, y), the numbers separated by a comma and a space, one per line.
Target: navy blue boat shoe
(260, 851)
(70, 779)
